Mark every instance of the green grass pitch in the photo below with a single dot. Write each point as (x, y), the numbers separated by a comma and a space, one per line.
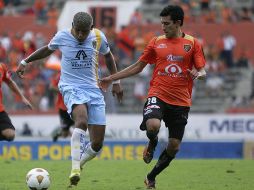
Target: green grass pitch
(129, 175)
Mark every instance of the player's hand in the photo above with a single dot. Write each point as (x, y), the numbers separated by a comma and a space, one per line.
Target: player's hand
(21, 70)
(194, 74)
(117, 91)
(104, 83)
(27, 103)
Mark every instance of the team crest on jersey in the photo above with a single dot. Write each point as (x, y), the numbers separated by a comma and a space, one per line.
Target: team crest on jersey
(94, 43)
(160, 46)
(187, 47)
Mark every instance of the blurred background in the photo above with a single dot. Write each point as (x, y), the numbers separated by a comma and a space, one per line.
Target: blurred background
(223, 104)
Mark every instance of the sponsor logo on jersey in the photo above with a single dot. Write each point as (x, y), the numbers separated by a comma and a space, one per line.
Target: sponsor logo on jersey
(172, 70)
(175, 58)
(152, 106)
(147, 111)
(161, 46)
(81, 55)
(81, 61)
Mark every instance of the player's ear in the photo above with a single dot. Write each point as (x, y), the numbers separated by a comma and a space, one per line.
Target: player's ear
(92, 27)
(178, 22)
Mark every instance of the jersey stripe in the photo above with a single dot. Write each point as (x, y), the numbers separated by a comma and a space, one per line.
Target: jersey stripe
(188, 37)
(98, 45)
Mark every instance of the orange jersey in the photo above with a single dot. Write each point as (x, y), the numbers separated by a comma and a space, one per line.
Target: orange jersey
(59, 102)
(4, 77)
(172, 57)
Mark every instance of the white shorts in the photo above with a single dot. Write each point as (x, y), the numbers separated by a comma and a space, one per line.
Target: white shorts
(92, 97)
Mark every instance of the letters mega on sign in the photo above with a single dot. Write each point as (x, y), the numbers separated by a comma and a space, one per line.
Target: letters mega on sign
(232, 126)
(220, 127)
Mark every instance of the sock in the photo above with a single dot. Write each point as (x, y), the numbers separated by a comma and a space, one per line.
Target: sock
(77, 145)
(88, 154)
(152, 135)
(162, 163)
(153, 138)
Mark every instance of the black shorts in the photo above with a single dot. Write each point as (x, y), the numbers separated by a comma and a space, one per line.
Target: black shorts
(175, 117)
(65, 119)
(5, 121)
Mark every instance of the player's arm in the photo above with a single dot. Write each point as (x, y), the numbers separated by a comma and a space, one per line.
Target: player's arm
(127, 72)
(38, 54)
(198, 70)
(111, 65)
(13, 86)
(201, 74)
(197, 74)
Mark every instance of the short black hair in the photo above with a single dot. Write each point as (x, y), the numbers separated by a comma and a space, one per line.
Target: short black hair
(174, 11)
(82, 19)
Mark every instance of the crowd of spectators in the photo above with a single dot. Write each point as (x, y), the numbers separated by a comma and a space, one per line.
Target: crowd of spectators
(44, 11)
(211, 11)
(126, 44)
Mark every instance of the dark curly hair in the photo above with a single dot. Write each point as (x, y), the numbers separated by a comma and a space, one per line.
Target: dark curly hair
(174, 11)
(82, 19)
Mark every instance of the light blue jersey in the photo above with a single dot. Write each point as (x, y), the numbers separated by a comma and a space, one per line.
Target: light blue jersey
(80, 71)
(79, 63)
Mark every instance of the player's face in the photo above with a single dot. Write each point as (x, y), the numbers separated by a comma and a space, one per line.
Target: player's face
(170, 28)
(81, 33)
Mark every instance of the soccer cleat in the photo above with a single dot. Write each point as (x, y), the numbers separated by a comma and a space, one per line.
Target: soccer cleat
(74, 177)
(150, 184)
(148, 152)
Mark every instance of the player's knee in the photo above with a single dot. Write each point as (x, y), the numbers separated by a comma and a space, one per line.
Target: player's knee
(82, 124)
(9, 135)
(173, 147)
(153, 124)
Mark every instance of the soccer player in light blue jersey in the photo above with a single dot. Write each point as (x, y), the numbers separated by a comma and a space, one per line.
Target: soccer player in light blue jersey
(80, 47)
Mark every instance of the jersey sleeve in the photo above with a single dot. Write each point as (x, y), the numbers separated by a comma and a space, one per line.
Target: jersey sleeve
(55, 41)
(149, 55)
(199, 58)
(104, 49)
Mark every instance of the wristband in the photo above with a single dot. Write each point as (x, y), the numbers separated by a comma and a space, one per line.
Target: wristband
(116, 82)
(23, 62)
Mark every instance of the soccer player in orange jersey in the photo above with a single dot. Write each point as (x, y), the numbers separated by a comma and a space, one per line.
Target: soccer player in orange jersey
(178, 60)
(7, 130)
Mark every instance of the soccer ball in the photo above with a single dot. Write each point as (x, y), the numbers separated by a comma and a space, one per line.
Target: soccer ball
(38, 179)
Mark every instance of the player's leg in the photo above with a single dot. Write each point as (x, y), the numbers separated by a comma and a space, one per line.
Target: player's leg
(153, 127)
(175, 119)
(7, 135)
(7, 130)
(79, 115)
(66, 122)
(97, 133)
(96, 127)
(152, 115)
(58, 132)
